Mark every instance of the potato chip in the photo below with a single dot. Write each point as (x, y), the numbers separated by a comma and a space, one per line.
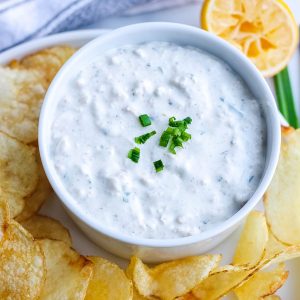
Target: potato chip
(273, 247)
(270, 251)
(21, 95)
(280, 253)
(23, 85)
(42, 227)
(253, 240)
(172, 279)
(262, 284)
(252, 257)
(129, 274)
(18, 171)
(188, 296)
(137, 296)
(4, 216)
(14, 64)
(224, 279)
(48, 61)
(221, 281)
(16, 203)
(282, 200)
(68, 273)
(272, 297)
(108, 282)
(42, 192)
(62, 52)
(22, 269)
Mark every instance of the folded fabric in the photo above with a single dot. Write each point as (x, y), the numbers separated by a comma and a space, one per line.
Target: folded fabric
(22, 20)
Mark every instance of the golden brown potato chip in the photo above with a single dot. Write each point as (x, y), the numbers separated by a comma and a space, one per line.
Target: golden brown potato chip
(62, 52)
(262, 284)
(18, 171)
(188, 296)
(4, 216)
(272, 297)
(109, 282)
(23, 86)
(137, 296)
(42, 227)
(276, 252)
(273, 247)
(22, 269)
(221, 281)
(172, 279)
(68, 273)
(16, 203)
(14, 64)
(282, 200)
(42, 192)
(253, 240)
(21, 95)
(129, 274)
(224, 279)
(47, 64)
(48, 61)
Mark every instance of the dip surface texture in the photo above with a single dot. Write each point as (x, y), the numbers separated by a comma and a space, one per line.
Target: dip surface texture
(205, 183)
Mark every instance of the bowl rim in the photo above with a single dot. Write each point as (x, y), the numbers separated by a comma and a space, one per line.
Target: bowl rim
(219, 228)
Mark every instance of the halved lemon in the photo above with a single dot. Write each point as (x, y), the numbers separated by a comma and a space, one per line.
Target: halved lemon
(265, 30)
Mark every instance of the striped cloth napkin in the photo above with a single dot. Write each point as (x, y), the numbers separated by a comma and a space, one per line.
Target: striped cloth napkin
(22, 20)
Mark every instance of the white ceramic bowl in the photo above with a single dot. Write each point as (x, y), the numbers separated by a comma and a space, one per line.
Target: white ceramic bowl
(154, 250)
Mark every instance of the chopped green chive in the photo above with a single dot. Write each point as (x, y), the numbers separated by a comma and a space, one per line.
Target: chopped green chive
(177, 141)
(176, 133)
(143, 138)
(172, 147)
(285, 99)
(172, 120)
(170, 130)
(145, 120)
(174, 136)
(173, 123)
(188, 120)
(158, 165)
(165, 138)
(134, 154)
(185, 136)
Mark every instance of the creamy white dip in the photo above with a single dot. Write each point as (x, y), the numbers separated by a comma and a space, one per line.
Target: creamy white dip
(205, 183)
